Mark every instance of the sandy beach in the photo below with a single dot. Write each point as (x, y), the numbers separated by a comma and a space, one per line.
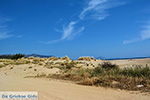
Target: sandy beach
(62, 90)
(12, 78)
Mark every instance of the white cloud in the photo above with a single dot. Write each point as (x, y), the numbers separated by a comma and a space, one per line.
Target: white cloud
(4, 35)
(70, 31)
(131, 41)
(4, 20)
(144, 35)
(98, 8)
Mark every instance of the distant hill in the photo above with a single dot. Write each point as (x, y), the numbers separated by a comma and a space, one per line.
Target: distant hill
(37, 55)
(10, 56)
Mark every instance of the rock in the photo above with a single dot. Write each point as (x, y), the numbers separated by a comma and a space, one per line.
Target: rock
(139, 86)
(115, 82)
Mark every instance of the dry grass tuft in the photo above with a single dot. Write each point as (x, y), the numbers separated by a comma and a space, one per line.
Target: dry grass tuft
(87, 58)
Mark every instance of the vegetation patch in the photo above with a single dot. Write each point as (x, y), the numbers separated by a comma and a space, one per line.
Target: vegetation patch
(1, 65)
(110, 75)
(14, 57)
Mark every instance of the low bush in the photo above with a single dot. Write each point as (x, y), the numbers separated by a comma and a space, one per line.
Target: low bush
(108, 65)
(69, 65)
(136, 72)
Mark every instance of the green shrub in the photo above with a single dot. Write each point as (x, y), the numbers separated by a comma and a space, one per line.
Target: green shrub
(98, 71)
(136, 72)
(70, 65)
(105, 68)
(108, 65)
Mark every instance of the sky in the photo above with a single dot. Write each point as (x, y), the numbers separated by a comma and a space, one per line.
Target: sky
(99, 28)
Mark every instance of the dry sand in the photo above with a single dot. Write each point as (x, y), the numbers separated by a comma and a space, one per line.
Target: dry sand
(61, 90)
(129, 62)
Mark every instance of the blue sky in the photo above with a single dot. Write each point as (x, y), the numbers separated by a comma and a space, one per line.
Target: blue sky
(107, 28)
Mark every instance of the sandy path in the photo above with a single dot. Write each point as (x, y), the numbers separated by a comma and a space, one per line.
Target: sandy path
(59, 90)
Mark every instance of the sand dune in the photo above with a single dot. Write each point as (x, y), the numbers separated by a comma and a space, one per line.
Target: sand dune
(12, 79)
